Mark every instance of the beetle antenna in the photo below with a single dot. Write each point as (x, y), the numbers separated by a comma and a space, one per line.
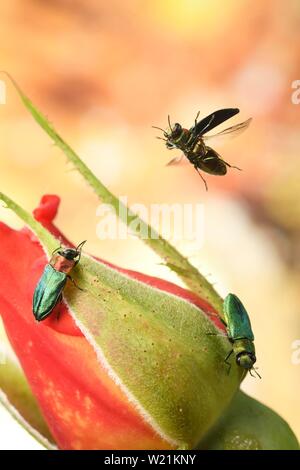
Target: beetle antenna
(159, 128)
(169, 121)
(79, 247)
(56, 250)
(255, 371)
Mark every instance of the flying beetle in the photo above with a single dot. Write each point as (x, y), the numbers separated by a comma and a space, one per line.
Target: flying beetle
(48, 292)
(239, 333)
(192, 142)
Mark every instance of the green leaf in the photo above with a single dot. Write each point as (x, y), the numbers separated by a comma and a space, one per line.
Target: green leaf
(250, 425)
(173, 259)
(154, 345)
(17, 398)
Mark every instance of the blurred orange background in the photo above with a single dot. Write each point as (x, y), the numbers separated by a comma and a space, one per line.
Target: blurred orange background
(104, 73)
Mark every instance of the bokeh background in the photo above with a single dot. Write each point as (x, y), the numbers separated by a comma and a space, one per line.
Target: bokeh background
(104, 73)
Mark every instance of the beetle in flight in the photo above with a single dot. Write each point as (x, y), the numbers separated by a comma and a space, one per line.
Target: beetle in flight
(192, 141)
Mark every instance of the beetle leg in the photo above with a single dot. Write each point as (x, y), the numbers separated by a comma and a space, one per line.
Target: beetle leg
(201, 177)
(196, 118)
(76, 285)
(231, 166)
(226, 360)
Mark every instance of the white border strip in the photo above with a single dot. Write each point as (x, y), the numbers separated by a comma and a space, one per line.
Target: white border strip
(19, 418)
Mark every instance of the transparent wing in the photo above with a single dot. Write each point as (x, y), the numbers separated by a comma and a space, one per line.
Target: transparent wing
(230, 132)
(180, 160)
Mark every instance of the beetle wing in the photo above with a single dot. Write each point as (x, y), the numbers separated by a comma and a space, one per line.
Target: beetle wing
(237, 319)
(47, 292)
(180, 160)
(232, 131)
(213, 120)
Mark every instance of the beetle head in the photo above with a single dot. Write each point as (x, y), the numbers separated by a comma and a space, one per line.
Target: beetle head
(246, 360)
(72, 254)
(171, 135)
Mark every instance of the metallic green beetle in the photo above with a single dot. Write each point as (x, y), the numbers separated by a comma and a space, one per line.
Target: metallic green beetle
(240, 333)
(48, 292)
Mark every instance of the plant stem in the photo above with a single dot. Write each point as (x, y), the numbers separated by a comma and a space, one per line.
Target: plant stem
(172, 258)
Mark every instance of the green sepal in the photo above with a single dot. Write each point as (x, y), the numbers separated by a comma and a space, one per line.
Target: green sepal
(250, 425)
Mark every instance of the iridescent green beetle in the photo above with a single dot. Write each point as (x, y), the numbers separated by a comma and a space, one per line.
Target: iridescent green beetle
(48, 292)
(239, 333)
